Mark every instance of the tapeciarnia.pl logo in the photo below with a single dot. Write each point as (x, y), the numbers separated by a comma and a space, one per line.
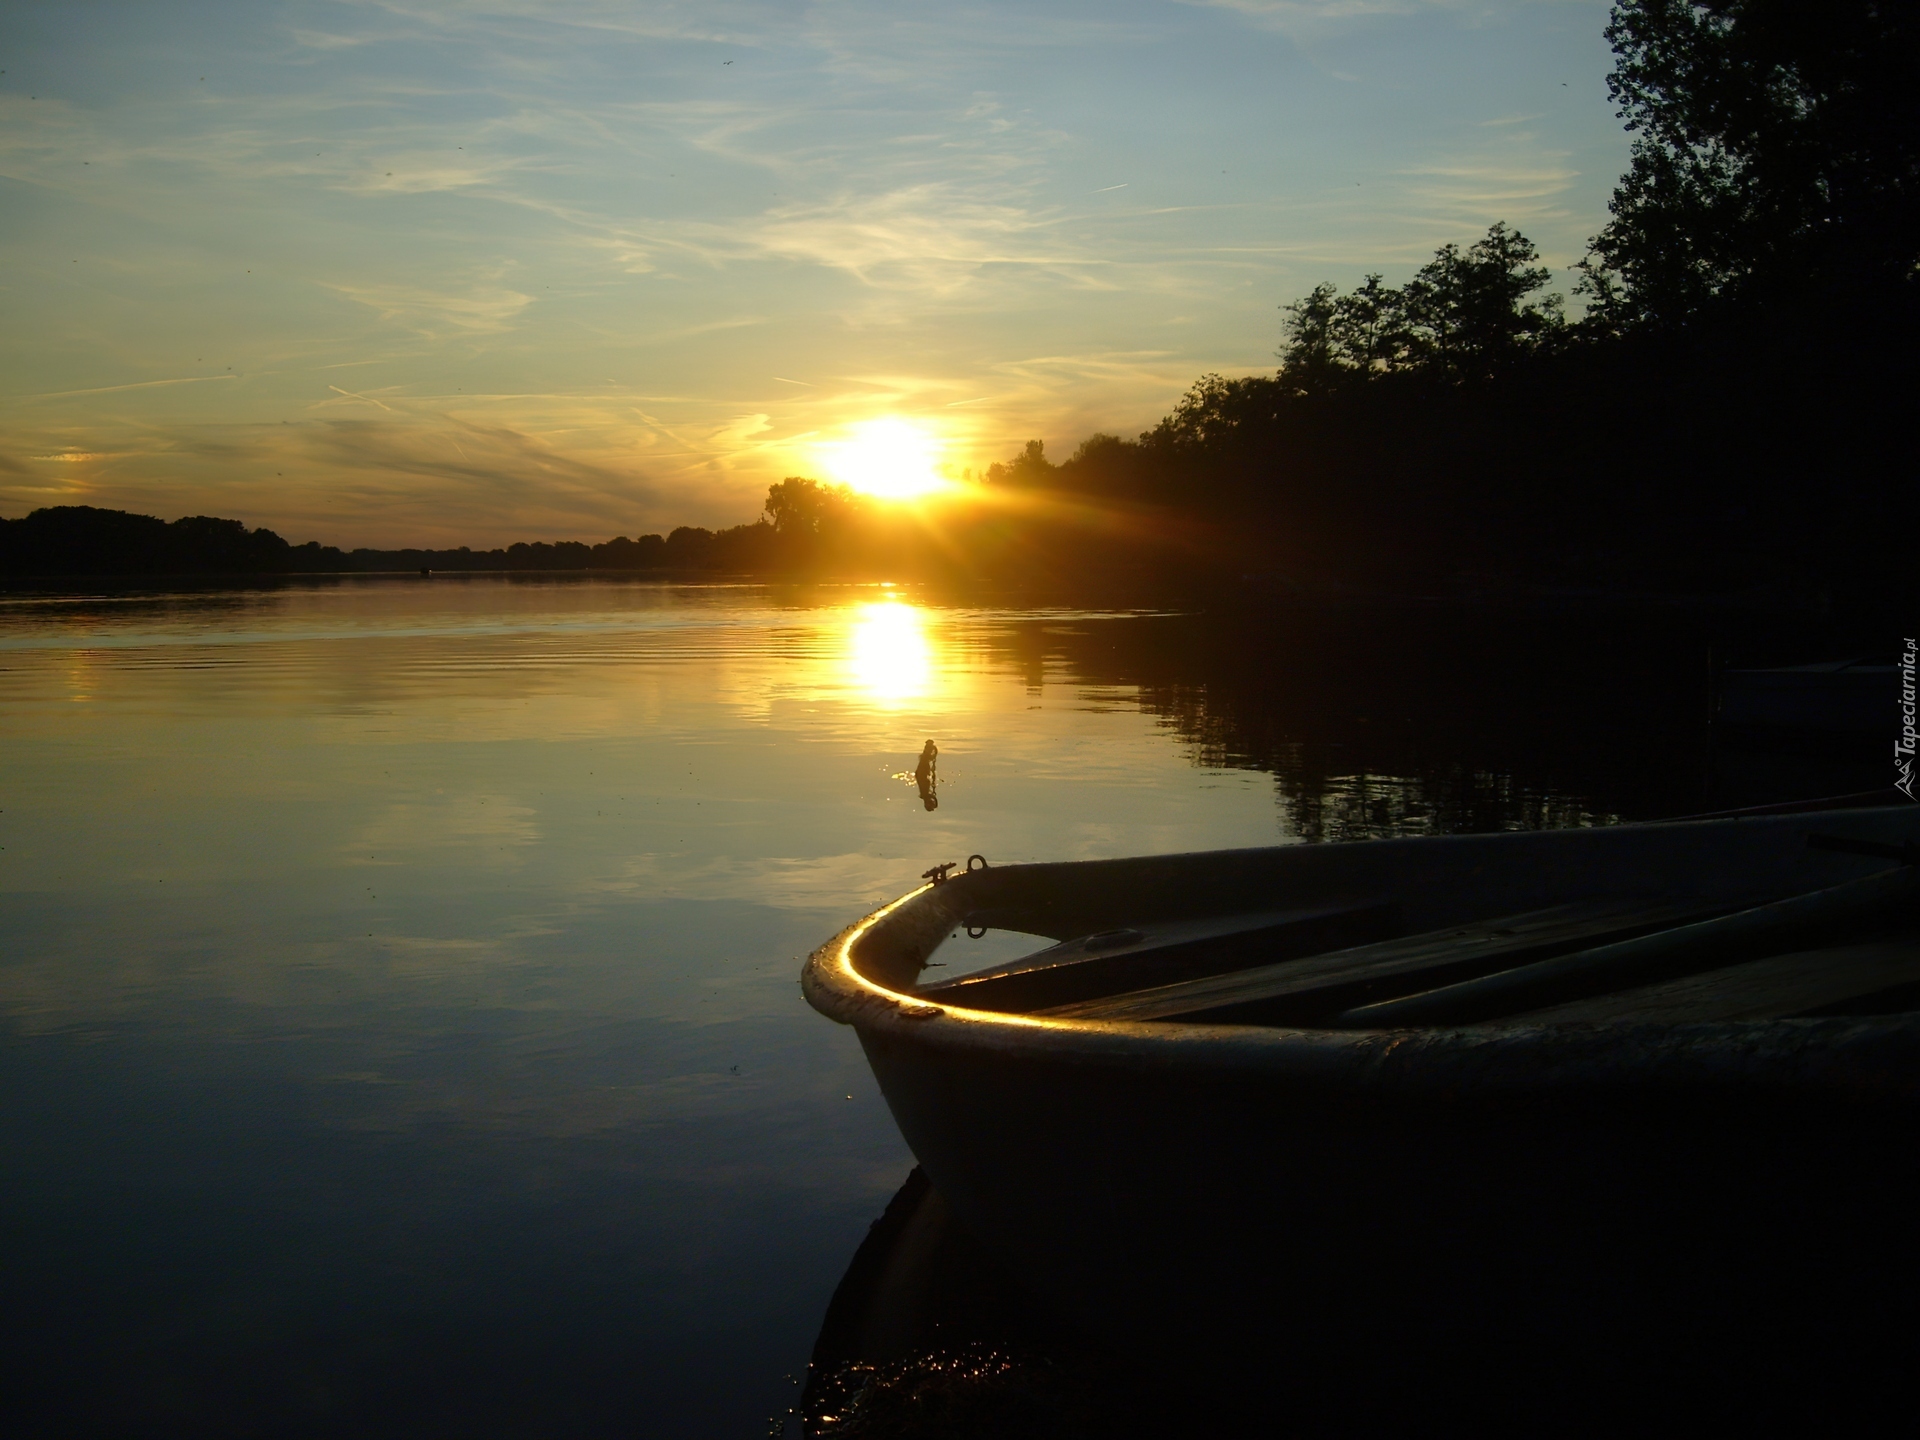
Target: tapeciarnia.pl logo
(1903, 747)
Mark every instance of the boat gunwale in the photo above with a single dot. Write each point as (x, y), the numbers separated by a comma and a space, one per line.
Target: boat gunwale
(1879, 1054)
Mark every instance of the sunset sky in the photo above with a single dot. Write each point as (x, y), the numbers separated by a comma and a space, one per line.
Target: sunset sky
(386, 273)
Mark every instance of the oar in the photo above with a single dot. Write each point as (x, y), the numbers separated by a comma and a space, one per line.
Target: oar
(1699, 946)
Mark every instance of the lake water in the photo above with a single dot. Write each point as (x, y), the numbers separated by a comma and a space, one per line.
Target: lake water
(399, 1025)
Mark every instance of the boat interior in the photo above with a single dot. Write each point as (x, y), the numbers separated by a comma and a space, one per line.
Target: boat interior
(1368, 957)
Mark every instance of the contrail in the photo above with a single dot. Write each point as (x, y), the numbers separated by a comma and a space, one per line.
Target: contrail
(136, 385)
(368, 398)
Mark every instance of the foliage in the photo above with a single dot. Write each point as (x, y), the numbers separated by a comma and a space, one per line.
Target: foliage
(1029, 468)
(84, 539)
(797, 506)
(1465, 315)
(1776, 155)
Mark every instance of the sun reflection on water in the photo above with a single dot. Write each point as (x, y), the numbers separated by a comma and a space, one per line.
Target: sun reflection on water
(889, 654)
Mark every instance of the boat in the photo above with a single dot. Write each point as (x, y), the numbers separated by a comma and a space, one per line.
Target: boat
(1456, 1125)
(1858, 696)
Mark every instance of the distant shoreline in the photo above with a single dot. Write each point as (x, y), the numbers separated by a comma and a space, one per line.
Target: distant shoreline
(1221, 593)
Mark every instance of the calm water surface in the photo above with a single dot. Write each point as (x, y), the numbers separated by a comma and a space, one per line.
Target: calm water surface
(400, 1023)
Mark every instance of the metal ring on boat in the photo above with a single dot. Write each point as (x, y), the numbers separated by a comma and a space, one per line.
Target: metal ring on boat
(971, 858)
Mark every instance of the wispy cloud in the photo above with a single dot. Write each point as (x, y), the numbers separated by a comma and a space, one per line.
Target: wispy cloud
(928, 238)
(553, 266)
(1285, 14)
(1320, 17)
(496, 456)
(1524, 189)
(320, 40)
(435, 314)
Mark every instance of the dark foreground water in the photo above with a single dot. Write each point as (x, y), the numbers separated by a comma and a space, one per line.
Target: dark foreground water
(399, 1032)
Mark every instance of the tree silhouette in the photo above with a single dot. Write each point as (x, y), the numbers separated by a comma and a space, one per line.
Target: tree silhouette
(1029, 468)
(1465, 314)
(1776, 155)
(799, 506)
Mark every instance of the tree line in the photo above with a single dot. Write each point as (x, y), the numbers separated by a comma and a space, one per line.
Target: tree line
(89, 540)
(1727, 408)
(1724, 406)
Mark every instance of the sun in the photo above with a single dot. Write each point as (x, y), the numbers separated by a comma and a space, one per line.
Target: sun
(891, 459)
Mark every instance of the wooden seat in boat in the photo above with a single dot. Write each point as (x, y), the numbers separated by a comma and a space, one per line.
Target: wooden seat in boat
(1129, 958)
(1804, 982)
(1308, 991)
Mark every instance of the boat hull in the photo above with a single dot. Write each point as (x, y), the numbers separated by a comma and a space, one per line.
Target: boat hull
(1415, 1224)
(1860, 699)
(1389, 1218)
